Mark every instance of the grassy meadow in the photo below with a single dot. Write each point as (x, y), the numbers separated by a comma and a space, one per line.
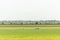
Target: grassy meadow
(29, 34)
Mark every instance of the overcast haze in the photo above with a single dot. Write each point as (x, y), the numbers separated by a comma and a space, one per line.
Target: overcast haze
(29, 9)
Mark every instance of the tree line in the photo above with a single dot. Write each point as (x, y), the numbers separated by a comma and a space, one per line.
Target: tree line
(31, 22)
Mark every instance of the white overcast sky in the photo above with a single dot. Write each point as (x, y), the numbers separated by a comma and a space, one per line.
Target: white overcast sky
(29, 9)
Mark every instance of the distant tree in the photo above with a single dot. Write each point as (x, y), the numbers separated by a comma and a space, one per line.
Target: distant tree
(21, 23)
(36, 23)
(10, 23)
(2, 23)
(40, 23)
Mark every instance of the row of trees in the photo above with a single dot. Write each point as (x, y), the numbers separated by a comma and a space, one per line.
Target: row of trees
(21, 23)
(30, 22)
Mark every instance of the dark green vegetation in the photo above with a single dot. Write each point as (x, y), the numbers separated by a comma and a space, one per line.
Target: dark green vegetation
(19, 22)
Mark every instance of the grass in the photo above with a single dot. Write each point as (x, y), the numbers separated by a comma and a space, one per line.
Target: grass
(27, 34)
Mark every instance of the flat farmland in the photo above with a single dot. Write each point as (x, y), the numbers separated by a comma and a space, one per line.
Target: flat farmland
(29, 32)
(29, 26)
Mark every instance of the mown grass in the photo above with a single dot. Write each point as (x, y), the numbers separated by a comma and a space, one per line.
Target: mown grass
(29, 34)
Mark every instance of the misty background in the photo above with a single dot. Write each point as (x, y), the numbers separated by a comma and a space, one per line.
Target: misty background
(29, 9)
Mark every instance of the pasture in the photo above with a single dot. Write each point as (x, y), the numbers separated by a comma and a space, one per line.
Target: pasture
(29, 32)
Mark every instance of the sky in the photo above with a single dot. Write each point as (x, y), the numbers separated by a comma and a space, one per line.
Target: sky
(29, 9)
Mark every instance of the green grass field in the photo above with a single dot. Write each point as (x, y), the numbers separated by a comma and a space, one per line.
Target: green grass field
(29, 34)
